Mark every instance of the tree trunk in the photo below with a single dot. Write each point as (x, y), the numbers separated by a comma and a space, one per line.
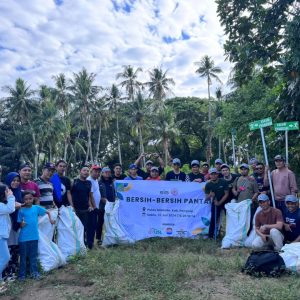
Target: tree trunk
(209, 135)
(224, 151)
(118, 137)
(98, 141)
(141, 141)
(166, 150)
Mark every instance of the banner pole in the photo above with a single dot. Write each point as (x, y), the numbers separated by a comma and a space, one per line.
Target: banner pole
(267, 164)
(286, 148)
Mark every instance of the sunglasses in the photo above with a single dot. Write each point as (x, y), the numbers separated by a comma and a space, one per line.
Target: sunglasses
(259, 168)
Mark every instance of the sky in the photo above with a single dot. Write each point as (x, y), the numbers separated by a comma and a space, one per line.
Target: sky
(39, 39)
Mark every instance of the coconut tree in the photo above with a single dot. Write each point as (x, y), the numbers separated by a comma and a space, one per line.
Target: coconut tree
(207, 69)
(129, 80)
(159, 87)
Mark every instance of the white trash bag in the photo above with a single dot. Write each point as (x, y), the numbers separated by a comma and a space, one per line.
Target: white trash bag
(114, 234)
(252, 236)
(49, 255)
(70, 233)
(237, 224)
(291, 256)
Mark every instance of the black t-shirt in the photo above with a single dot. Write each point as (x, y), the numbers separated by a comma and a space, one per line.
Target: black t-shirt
(293, 219)
(219, 187)
(65, 186)
(193, 176)
(121, 177)
(230, 185)
(145, 175)
(81, 193)
(171, 176)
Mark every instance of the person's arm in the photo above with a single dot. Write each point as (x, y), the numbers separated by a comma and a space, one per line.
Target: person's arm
(92, 204)
(102, 192)
(293, 183)
(234, 187)
(10, 206)
(223, 199)
(69, 197)
(278, 225)
(160, 160)
(137, 162)
(50, 217)
(296, 240)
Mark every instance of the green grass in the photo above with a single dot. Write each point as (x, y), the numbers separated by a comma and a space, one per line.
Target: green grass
(159, 269)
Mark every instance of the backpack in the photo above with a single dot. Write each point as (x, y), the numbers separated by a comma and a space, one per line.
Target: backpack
(264, 263)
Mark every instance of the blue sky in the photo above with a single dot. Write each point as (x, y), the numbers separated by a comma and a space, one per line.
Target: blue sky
(39, 39)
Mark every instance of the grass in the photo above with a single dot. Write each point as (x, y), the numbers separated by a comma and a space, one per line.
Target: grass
(158, 269)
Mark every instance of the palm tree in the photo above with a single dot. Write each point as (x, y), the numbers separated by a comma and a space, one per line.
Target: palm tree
(159, 87)
(23, 109)
(206, 69)
(63, 100)
(113, 98)
(85, 94)
(130, 82)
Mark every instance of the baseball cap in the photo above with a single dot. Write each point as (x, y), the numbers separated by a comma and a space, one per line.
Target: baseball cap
(253, 161)
(25, 165)
(132, 166)
(262, 197)
(245, 166)
(279, 157)
(195, 162)
(96, 167)
(176, 161)
(154, 169)
(218, 161)
(149, 162)
(225, 166)
(205, 164)
(291, 198)
(212, 170)
(106, 169)
(49, 165)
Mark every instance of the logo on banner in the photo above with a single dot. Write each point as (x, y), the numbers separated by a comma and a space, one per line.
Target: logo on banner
(181, 233)
(174, 192)
(155, 231)
(123, 187)
(169, 231)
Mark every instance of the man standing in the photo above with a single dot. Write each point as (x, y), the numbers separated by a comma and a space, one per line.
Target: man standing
(195, 175)
(45, 186)
(245, 187)
(83, 201)
(64, 197)
(204, 170)
(268, 225)
(229, 178)
(218, 164)
(261, 177)
(291, 219)
(253, 163)
(94, 215)
(217, 190)
(284, 182)
(176, 174)
(132, 173)
(148, 165)
(25, 172)
(118, 172)
(154, 174)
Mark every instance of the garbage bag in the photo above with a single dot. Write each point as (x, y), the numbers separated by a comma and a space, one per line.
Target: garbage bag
(291, 256)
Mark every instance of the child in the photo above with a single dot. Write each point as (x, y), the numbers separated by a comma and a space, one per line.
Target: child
(29, 235)
(7, 206)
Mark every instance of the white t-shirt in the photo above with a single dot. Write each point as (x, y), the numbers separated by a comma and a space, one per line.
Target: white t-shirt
(95, 190)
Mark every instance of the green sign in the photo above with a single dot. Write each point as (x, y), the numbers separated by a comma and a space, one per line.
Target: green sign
(260, 123)
(286, 126)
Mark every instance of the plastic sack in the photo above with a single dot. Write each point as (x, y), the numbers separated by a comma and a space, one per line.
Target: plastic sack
(237, 224)
(114, 234)
(70, 233)
(49, 255)
(291, 256)
(252, 235)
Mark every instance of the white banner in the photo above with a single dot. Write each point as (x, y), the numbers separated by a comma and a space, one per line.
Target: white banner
(162, 209)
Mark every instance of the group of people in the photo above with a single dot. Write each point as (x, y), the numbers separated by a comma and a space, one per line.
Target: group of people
(23, 200)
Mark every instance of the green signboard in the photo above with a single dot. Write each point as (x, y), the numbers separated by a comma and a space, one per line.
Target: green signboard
(286, 126)
(260, 123)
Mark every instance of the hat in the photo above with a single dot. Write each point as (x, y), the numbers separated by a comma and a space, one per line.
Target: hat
(154, 169)
(279, 157)
(96, 167)
(148, 162)
(195, 162)
(218, 161)
(176, 161)
(106, 169)
(205, 164)
(25, 165)
(225, 166)
(253, 161)
(291, 198)
(244, 166)
(212, 170)
(49, 165)
(132, 166)
(262, 197)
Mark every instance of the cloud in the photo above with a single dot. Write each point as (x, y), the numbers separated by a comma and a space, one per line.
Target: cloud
(39, 39)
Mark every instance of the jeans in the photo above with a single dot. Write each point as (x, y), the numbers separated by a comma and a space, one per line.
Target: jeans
(91, 228)
(4, 257)
(29, 250)
(100, 223)
(83, 216)
(218, 209)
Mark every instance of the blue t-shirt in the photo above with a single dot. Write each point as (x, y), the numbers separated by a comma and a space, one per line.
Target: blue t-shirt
(293, 219)
(30, 215)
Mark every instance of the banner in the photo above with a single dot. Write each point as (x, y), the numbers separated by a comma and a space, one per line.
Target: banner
(162, 209)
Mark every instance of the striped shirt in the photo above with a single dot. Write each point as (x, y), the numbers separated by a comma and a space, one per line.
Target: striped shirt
(46, 190)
